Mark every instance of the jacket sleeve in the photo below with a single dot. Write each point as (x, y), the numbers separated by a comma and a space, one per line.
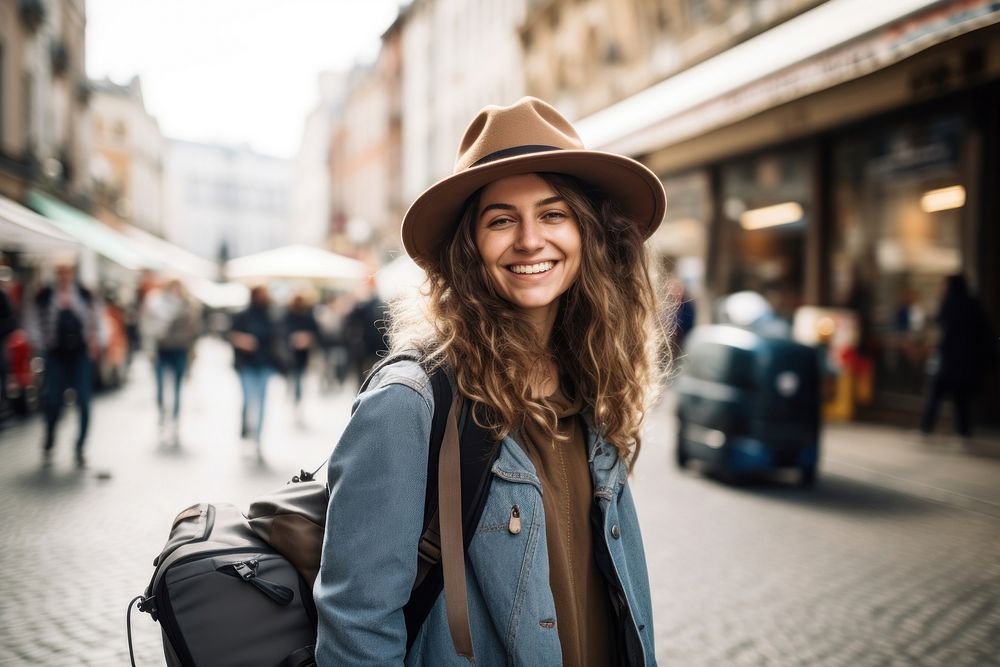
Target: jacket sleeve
(377, 476)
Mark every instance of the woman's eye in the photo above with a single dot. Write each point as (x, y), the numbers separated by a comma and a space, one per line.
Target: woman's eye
(497, 222)
(554, 216)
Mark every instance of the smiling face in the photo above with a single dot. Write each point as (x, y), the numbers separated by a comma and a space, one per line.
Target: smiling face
(529, 241)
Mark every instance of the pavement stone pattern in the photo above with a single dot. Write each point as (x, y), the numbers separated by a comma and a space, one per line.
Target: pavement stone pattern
(850, 573)
(853, 572)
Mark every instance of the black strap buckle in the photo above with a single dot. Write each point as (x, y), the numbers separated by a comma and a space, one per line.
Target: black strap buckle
(147, 605)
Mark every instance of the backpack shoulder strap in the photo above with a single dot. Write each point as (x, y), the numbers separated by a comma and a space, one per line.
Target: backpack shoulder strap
(478, 451)
(406, 355)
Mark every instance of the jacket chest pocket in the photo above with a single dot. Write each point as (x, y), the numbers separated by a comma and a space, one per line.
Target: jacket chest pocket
(513, 506)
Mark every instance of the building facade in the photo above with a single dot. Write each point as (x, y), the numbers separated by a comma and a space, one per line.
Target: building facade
(459, 56)
(44, 140)
(311, 202)
(583, 55)
(126, 166)
(365, 156)
(225, 201)
(843, 157)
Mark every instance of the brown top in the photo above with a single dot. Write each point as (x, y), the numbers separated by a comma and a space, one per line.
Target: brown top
(585, 620)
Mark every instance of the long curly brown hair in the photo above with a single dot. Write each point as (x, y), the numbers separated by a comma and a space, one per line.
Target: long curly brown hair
(604, 342)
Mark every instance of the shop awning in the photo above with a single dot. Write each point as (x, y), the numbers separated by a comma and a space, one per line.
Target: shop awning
(838, 41)
(298, 262)
(171, 257)
(90, 232)
(136, 249)
(23, 230)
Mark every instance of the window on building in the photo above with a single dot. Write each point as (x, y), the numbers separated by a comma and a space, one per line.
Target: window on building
(120, 130)
(227, 195)
(27, 110)
(680, 243)
(899, 231)
(2, 97)
(767, 206)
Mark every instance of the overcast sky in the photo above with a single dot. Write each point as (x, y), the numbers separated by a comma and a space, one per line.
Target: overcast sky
(232, 71)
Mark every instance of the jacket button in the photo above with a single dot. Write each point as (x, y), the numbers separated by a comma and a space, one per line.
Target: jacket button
(615, 533)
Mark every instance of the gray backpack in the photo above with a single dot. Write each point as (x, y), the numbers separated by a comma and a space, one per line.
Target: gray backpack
(213, 555)
(235, 589)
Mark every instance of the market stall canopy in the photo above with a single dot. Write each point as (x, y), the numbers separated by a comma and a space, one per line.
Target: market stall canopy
(220, 296)
(298, 262)
(23, 230)
(91, 233)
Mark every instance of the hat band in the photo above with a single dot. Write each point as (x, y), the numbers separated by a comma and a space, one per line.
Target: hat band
(515, 151)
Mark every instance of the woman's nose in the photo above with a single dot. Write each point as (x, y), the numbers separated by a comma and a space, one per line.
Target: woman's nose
(529, 237)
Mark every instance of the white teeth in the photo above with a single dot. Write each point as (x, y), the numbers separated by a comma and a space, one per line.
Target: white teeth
(541, 267)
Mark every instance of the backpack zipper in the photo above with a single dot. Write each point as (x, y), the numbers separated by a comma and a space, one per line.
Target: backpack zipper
(247, 571)
(149, 601)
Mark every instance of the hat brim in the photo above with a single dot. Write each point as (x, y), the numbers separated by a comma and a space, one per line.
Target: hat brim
(434, 215)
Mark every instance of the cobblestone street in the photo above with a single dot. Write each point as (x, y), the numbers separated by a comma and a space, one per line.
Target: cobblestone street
(893, 559)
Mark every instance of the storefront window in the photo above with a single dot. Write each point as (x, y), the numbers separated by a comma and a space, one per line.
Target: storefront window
(680, 242)
(899, 196)
(766, 205)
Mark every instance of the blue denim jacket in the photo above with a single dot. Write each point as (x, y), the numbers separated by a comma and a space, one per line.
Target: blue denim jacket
(377, 476)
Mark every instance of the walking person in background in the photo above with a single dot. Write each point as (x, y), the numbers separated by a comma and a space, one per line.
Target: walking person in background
(677, 318)
(171, 324)
(64, 321)
(965, 348)
(363, 332)
(8, 325)
(253, 337)
(331, 317)
(301, 333)
(542, 310)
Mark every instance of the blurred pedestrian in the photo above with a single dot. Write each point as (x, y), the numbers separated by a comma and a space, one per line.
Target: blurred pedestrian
(301, 333)
(542, 307)
(331, 317)
(171, 324)
(112, 367)
(363, 332)
(254, 337)
(965, 348)
(8, 325)
(678, 316)
(63, 321)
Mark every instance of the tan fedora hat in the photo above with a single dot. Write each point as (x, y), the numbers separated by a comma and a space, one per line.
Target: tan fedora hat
(528, 136)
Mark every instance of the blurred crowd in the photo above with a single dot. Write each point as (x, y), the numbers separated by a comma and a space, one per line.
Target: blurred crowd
(61, 341)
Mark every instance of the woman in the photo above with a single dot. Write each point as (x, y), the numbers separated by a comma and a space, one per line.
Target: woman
(541, 305)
